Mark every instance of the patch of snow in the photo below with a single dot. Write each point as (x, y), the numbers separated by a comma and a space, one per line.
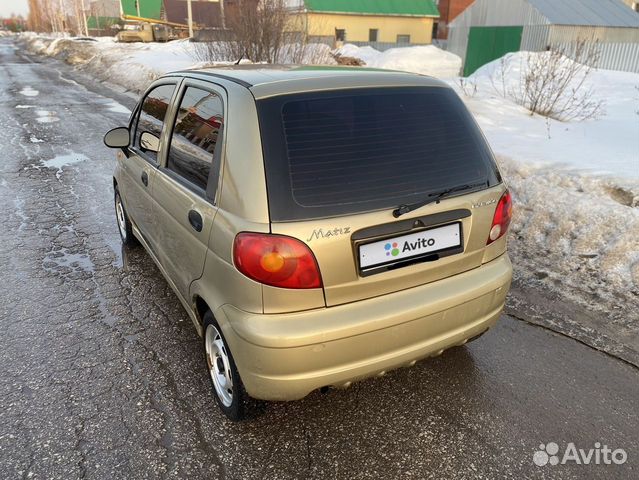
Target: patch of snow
(46, 116)
(608, 145)
(29, 92)
(116, 107)
(64, 160)
(34, 139)
(425, 60)
(25, 106)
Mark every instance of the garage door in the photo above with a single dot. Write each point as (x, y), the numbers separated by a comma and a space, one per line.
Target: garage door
(486, 44)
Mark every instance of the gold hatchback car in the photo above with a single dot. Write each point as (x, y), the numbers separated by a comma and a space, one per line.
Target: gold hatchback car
(319, 225)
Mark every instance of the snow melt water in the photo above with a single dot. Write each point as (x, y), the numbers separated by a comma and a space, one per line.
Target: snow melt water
(61, 161)
(29, 92)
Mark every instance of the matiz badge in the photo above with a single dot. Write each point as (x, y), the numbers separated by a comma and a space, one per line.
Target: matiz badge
(484, 204)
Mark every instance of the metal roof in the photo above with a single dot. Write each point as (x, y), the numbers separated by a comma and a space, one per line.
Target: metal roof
(414, 8)
(599, 13)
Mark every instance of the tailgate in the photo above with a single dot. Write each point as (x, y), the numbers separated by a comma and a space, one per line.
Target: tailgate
(355, 259)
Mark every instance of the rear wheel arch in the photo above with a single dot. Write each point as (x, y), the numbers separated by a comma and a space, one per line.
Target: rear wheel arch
(200, 308)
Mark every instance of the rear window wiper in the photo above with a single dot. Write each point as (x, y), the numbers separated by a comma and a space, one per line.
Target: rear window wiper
(434, 198)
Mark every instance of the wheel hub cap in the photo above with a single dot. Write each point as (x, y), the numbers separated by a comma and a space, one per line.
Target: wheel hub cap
(219, 365)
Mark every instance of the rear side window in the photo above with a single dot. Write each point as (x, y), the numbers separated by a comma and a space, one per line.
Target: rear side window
(152, 115)
(331, 154)
(198, 126)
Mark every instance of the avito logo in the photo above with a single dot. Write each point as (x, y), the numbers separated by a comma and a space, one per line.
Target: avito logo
(391, 249)
(417, 244)
(394, 250)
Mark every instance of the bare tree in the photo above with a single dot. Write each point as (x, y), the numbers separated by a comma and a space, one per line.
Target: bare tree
(267, 31)
(554, 83)
(499, 75)
(468, 86)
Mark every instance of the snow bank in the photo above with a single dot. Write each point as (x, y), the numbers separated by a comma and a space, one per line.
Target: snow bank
(426, 60)
(131, 65)
(576, 234)
(134, 65)
(608, 145)
(575, 186)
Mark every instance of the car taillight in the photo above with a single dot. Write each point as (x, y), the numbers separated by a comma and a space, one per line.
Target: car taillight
(501, 220)
(276, 260)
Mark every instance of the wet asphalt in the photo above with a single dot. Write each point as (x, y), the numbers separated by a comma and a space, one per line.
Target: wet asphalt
(103, 375)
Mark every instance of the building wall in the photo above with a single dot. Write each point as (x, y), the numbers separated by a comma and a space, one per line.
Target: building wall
(634, 4)
(357, 27)
(104, 8)
(618, 47)
(448, 11)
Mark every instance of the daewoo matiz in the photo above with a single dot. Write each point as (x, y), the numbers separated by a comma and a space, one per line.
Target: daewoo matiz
(319, 225)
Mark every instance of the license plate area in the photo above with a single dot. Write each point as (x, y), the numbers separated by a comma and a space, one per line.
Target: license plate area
(415, 247)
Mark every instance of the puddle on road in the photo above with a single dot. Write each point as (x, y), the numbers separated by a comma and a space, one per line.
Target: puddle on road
(116, 107)
(29, 92)
(65, 160)
(64, 262)
(20, 213)
(46, 116)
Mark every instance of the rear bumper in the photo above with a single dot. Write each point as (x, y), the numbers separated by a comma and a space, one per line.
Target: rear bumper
(286, 356)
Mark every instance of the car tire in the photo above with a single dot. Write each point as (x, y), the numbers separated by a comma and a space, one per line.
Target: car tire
(124, 224)
(228, 388)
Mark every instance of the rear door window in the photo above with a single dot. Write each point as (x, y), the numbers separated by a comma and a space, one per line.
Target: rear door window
(152, 115)
(339, 153)
(198, 127)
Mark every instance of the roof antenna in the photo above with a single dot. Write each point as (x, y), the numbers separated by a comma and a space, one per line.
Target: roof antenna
(244, 54)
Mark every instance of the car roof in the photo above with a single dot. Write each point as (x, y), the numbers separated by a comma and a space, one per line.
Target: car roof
(268, 80)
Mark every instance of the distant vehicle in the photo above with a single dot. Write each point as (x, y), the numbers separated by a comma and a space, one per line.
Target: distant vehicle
(144, 32)
(319, 225)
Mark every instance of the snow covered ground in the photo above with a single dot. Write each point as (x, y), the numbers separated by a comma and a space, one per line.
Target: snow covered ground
(133, 65)
(575, 185)
(426, 60)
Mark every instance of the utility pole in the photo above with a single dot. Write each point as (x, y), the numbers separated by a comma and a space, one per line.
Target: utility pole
(62, 17)
(84, 17)
(222, 17)
(137, 6)
(190, 17)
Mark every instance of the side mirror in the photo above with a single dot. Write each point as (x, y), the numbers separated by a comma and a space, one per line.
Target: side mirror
(149, 142)
(117, 138)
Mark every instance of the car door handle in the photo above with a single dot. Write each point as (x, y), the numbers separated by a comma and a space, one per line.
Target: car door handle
(145, 179)
(195, 219)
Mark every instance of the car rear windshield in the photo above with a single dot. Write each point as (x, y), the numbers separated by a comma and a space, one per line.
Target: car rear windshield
(343, 152)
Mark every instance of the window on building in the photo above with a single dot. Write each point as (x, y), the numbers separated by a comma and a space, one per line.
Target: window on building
(197, 126)
(403, 38)
(635, 6)
(372, 35)
(340, 34)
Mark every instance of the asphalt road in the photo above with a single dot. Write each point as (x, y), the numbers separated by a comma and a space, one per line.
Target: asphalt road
(103, 374)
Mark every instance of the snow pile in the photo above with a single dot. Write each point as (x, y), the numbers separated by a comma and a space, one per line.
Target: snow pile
(607, 145)
(135, 65)
(575, 234)
(131, 65)
(575, 186)
(425, 60)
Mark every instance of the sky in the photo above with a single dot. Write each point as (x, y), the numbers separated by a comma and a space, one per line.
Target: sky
(19, 7)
